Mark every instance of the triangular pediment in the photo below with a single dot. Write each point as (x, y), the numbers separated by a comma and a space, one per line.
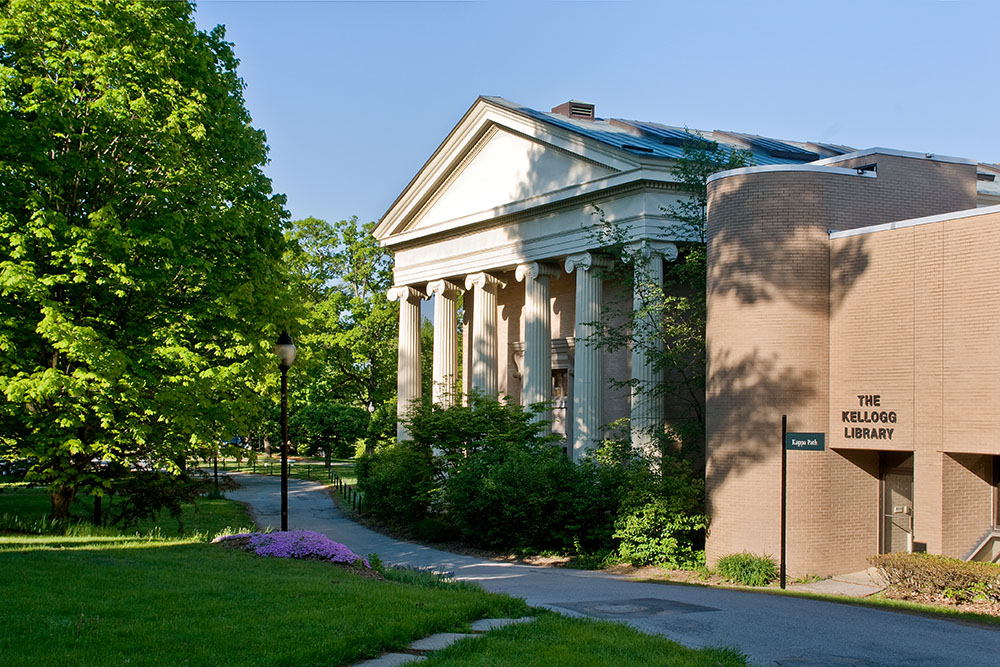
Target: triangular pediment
(496, 160)
(506, 168)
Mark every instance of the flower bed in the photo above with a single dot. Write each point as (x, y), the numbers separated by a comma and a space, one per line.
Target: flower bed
(305, 544)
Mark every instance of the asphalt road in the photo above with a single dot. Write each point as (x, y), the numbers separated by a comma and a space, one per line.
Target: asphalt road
(770, 629)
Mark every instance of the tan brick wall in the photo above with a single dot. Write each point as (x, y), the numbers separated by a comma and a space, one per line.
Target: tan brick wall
(919, 327)
(801, 326)
(967, 502)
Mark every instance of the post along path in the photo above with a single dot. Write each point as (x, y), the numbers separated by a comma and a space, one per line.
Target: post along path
(770, 629)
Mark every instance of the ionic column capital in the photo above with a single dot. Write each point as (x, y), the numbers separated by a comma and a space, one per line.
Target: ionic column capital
(403, 293)
(533, 270)
(647, 249)
(483, 280)
(586, 261)
(442, 287)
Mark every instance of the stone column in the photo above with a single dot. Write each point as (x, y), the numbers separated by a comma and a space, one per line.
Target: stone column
(484, 332)
(588, 364)
(647, 342)
(536, 385)
(408, 359)
(445, 361)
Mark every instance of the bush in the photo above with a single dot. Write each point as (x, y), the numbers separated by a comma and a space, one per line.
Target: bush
(397, 483)
(748, 569)
(513, 496)
(482, 424)
(909, 575)
(660, 533)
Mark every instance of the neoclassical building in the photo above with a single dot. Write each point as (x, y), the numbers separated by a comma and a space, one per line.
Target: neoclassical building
(504, 213)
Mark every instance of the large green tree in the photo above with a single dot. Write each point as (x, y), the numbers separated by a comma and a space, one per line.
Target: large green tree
(348, 328)
(139, 239)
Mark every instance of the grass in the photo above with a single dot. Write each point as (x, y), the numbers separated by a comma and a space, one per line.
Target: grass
(558, 640)
(151, 600)
(31, 505)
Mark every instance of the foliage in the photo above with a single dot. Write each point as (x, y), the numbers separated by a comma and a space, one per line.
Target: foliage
(938, 577)
(514, 494)
(497, 480)
(669, 323)
(481, 424)
(397, 483)
(139, 240)
(348, 332)
(658, 533)
(143, 494)
(748, 569)
(333, 428)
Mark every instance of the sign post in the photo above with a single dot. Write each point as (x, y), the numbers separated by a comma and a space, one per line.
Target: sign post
(809, 442)
(784, 495)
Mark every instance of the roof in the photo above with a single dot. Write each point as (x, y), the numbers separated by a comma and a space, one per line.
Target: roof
(665, 141)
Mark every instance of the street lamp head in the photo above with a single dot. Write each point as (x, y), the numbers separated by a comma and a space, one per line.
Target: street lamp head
(285, 350)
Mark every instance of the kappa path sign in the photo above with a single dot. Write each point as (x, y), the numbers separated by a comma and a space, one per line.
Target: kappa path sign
(809, 442)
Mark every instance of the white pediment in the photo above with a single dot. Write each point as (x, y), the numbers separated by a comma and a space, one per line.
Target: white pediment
(505, 168)
(497, 161)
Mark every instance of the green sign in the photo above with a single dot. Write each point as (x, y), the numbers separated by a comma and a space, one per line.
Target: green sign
(810, 442)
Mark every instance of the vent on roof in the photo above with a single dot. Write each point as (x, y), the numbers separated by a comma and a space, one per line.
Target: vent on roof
(638, 149)
(980, 176)
(575, 109)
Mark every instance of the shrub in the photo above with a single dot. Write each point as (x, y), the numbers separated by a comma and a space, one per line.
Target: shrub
(513, 496)
(661, 533)
(397, 483)
(748, 569)
(482, 424)
(910, 575)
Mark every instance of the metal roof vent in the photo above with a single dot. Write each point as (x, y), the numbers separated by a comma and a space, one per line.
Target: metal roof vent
(575, 109)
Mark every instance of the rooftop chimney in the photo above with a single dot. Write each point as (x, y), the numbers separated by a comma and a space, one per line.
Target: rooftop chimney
(575, 109)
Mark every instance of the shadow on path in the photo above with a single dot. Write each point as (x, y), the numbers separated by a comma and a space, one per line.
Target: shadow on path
(770, 629)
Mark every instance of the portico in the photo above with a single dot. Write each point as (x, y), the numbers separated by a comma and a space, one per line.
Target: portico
(502, 220)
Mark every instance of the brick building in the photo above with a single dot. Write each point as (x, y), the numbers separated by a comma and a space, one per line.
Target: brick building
(833, 299)
(858, 296)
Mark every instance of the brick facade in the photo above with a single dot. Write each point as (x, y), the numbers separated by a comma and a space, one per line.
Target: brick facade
(816, 325)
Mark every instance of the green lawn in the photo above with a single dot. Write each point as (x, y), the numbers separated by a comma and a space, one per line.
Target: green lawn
(558, 640)
(153, 600)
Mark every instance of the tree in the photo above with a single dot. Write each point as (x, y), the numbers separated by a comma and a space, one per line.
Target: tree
(673, 314)
(139, 240)
(349, 327)
(333, 428)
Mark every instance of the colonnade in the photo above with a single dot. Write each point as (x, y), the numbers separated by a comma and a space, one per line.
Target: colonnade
(588, 367)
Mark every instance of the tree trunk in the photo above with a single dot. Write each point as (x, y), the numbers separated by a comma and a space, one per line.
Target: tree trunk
(62, 498)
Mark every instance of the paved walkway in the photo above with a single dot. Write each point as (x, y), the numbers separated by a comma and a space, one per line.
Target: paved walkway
(770, 629)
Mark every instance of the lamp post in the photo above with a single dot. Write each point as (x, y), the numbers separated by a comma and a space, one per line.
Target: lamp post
(370, 440)
(285, 350)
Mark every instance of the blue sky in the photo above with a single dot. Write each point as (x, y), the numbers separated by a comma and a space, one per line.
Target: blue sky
(355, 96)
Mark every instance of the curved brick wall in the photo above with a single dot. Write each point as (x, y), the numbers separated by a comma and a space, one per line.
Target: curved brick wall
(770, 295)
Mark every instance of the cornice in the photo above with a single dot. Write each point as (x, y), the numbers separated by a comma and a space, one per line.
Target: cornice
(542, 210)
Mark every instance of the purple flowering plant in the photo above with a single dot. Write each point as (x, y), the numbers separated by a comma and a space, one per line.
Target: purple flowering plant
(306, 544)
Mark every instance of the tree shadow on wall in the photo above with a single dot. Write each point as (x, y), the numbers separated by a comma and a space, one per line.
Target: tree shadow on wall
(789, 264)
(738, 390)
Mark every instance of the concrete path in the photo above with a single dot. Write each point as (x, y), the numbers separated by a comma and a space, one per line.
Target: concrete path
(853, 585)
(770, 629)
